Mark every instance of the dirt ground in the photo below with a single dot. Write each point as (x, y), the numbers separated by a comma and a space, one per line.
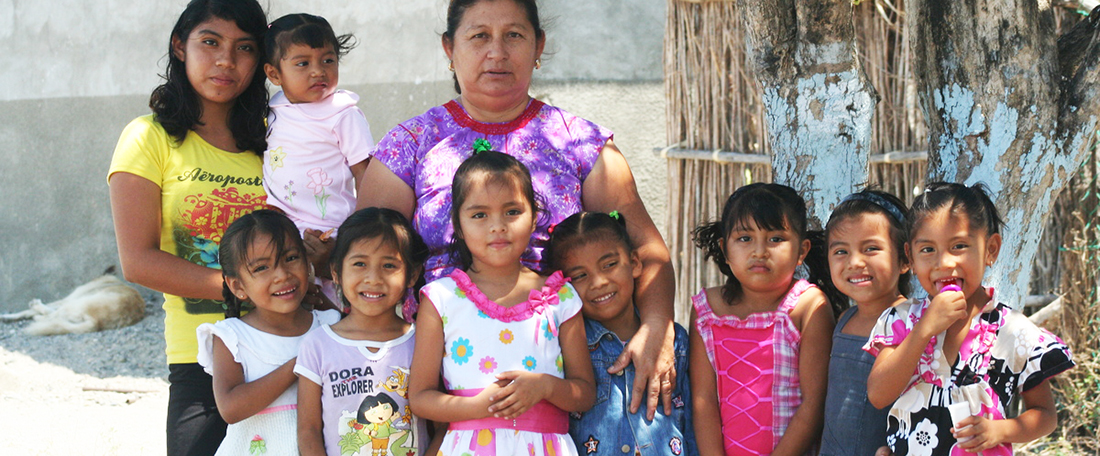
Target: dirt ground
(92, 394)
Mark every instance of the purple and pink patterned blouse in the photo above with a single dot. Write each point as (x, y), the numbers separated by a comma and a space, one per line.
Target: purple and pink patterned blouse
(557, 147)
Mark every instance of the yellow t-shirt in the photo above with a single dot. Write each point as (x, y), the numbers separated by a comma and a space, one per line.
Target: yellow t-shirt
(203, 190)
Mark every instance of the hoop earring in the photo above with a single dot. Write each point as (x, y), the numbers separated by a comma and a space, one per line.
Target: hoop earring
(451, 66)
(538, 63)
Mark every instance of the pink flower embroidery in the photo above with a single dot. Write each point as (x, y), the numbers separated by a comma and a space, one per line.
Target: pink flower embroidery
(318, 180)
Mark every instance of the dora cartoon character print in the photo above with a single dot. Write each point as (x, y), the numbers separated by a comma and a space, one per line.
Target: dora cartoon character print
(364, 406)
(381, 416)
(379, 428)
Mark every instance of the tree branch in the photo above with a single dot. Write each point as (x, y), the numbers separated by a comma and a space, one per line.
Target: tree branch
(1079, 57)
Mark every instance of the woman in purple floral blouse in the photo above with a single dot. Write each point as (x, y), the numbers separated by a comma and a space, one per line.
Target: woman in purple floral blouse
(494, 47)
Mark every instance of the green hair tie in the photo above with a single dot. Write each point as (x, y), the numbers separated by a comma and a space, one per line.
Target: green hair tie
(481, 145)
(614, 214)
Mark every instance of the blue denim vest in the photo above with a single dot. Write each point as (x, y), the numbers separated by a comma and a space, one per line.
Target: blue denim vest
(609, 428)
(852, 425)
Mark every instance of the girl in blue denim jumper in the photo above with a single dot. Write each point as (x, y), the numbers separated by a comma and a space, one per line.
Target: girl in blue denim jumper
(594, 251)
(866, 237)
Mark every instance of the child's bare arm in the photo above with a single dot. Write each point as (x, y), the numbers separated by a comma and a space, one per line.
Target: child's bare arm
(574, 393)
(704, 396)
(357, 171)
(1038, 420)
(894, 366)
(310, 425)
(816, 322)
(238, 399)
(425, 398)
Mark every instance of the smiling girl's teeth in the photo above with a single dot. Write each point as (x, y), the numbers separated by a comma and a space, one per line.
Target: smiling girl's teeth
(603, 298)
(371, 295)
(285, 292)
(859, 280)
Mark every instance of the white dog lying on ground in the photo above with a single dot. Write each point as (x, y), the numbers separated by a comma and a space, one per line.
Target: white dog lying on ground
(103, 303)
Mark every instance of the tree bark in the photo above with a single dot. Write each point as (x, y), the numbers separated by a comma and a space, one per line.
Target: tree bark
(1005, 108)
(818, 102)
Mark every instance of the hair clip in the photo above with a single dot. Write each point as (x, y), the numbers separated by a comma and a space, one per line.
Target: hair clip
(482, 145)
(614, 214)
(550, 229)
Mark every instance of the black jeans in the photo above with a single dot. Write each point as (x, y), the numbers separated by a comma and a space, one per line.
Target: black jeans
(195, 428)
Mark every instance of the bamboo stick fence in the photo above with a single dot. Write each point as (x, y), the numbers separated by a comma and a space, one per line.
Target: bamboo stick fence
(719, 142)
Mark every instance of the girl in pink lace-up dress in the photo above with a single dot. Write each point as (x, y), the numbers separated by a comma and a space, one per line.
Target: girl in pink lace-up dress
(510, 344)
(760, 344)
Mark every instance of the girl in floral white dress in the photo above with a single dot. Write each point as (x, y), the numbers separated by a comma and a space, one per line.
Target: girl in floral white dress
(510, 343)
(960, 348)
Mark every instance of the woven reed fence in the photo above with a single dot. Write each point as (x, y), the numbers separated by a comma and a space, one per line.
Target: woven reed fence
(719, 142)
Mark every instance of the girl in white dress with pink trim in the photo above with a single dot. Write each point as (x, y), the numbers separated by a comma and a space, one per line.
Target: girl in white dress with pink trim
(252, 357)
(509, 343)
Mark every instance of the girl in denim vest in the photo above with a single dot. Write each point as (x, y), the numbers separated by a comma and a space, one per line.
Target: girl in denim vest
(594, 251)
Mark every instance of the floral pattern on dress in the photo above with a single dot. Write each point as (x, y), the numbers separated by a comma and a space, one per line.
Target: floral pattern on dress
(461, 351)
(1002, 355)
(529, 363)
(503, 342)
(487, 365)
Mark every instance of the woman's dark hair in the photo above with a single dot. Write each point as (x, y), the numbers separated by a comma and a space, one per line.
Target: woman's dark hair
(388, 225)
(870, 201)
(972, 201)
(306, 30)
(176, 105)
(770, 207)
(373, 401)
(457, 10)
(233, 251)
(582, 228)
(486, 168)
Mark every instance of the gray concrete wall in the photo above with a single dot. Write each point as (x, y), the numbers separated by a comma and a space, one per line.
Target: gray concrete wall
(77, 71)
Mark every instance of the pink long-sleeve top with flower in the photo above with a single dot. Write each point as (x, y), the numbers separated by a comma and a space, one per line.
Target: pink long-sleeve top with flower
(558, 148)
(311, 148)
(1002, 355)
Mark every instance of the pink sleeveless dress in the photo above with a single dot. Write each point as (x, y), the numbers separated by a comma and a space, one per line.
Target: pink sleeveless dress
(756, 363)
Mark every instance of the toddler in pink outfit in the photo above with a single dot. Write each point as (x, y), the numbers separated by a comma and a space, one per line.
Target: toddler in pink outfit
(318, 139)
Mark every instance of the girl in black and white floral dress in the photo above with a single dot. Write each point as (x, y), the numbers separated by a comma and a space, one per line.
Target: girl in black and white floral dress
(960, 345)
